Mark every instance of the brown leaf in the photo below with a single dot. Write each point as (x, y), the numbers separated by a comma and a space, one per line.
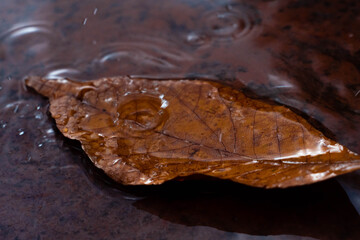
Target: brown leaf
(146, 132)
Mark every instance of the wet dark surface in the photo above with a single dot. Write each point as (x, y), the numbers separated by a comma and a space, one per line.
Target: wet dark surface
(305, 54)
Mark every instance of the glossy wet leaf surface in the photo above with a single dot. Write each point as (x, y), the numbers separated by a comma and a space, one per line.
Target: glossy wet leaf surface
(143, 131)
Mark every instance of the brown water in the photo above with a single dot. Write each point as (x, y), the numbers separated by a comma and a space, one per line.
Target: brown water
(304, 54)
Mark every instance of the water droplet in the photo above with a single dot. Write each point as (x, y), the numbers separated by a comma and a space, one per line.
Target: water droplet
(50, 131)
(194, 38)
(141, 114)
(225, 24)
(116, 161)
(164, 103)
(16, 108)
(38, 115)
(357, 93)
(3, 124)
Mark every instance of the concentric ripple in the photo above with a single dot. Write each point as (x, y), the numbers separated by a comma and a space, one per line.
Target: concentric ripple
(231, 21)
(142, 114)
(33, 40)
(141, 56)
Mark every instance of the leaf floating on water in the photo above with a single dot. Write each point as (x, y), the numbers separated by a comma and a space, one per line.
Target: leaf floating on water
(146, 132)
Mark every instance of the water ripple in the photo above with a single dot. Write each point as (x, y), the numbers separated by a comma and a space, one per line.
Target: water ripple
(142, 56)
(62, 73)
(33, 41)
(232, 21)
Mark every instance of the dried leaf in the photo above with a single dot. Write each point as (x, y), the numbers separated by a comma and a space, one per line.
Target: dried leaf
(146, 132)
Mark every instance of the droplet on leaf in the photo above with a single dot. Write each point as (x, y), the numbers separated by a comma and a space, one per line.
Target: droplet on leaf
(143, 131)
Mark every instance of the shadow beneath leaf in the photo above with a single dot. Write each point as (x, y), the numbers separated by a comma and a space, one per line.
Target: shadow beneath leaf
(321, 210)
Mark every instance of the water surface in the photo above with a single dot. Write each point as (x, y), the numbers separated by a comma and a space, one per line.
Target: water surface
(304, 54)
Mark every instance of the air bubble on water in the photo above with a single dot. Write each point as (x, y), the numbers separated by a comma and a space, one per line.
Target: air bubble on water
(196, 39)
(3, 124)
(38, 115)
(50, 131)
(192, 37)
